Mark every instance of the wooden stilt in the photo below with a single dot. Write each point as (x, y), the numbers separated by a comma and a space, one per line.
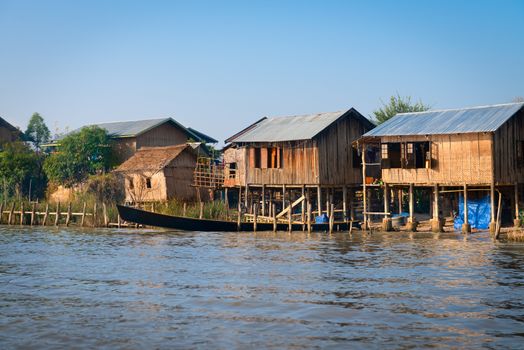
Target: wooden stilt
(68, 215)
(289, 222)
(412, 224)
(57, 216)
(46, 214)
(83, 215)
(466, 227)
(239, 207)
(32, 222)
(364, 189)
(319, 200)
(106, 220)
(399, 193)
(246, 194)
(283, 196)
(436, 225)
(255, 217)
(351, 194)
(331, 217)
(274, 214)
(303, 208)
(516, 222)
(308, 217)
(22, 213)
(386, 222)
(344, 203)
(492, 224)
(263, 201)
(201, 214)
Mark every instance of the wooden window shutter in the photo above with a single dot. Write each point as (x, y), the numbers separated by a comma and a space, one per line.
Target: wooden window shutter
(429, 157)
(384, 152)
(252, 157)
(410, 155)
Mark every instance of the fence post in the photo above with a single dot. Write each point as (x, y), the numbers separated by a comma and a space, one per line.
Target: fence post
(68, 217)
(21, 213)
(32, 214)
(83, 215)
(46, 214)
(105, 214)
(1, 211)
(308, 217)
(57, 217)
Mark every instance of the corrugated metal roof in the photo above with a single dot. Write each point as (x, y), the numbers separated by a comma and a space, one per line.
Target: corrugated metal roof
(137, 127)
(292, 128)
(449, 121)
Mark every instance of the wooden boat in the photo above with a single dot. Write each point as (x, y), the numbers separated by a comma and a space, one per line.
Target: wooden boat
(144, 217)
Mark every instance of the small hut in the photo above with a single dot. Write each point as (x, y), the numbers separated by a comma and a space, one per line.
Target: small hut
(285, 158)
(463, 151)
(159, 174)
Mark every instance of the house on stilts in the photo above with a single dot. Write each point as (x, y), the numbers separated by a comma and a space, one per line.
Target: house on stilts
(285, 163)
(456, 154)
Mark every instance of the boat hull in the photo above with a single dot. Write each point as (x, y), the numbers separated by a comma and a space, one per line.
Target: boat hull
(143, 217)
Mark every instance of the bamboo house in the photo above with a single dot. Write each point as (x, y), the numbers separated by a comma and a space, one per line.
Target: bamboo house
(466, 153)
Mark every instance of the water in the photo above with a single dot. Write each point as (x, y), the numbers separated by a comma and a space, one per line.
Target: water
(66, 288)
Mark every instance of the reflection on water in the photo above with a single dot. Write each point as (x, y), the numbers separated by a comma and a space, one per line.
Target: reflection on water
(121, 289)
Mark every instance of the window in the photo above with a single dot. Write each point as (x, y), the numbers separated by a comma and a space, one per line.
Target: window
(394, 155)
(131, 183)
(232, 170)
(422, 155)
(407, 155)
(281, 158)
(148, 182)
(357, 159)
(257, 158)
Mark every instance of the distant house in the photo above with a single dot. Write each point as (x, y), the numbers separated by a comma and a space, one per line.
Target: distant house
(302, 152)
(481, 147)
(159, 174)
(130, 136)
(8, 133)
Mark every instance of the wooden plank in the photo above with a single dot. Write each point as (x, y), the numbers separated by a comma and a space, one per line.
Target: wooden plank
(288, 208)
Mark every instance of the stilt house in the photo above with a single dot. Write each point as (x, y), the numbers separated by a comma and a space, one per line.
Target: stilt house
(480, 147)
(297, 152)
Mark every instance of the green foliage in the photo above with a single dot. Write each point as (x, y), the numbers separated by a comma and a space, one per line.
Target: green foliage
(37, 131)
(212, 210)
(79, 155)
(20, 165)
(398, 104)
(106, 188)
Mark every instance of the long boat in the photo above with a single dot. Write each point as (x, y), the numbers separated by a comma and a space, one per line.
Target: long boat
(148, 218)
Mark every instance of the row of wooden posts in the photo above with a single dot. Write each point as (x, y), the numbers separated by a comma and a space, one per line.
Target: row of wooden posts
(52, 214)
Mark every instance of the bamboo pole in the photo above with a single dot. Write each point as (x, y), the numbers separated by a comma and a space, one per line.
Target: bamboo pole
(11, 214)
(118, 221)
(68, 215)
(345, 203)
(201, 214)
(331, 218)
(308, 217)
(32, 214)
(57, 216)
(516, 222)
(466, 228)
(290, 225)
(21, 213)
(239, 207)
(255, 218)
(106, 221)
(319, 200)
(263, 200)
(274, 212)
(83, 215)
(303, 208)
(46, 214)
(499, 210)
(184, 209)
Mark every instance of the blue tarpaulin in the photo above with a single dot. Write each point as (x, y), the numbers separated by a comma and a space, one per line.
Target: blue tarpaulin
(479, 213)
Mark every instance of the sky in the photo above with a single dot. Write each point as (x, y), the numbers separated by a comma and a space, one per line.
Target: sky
(218, 66)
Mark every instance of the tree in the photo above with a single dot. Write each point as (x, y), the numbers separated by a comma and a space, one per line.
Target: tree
(37, 131)
(79, 155)
(398, 104)
(20, 166)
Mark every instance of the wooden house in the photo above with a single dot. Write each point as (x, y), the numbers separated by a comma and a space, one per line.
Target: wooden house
(130, 136)
(296, 153)
(8, 133)
(155, 174)
(479, 147)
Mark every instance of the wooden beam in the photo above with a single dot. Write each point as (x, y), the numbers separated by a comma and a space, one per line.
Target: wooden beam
(289, 207)
(344, 203)
(411, 203)
(319, 200)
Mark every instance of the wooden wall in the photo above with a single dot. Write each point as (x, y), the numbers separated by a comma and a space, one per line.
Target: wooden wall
(179, 177)
(508, 168)
(238, 156)
(335, 153)
(458, 159)
(163, 135)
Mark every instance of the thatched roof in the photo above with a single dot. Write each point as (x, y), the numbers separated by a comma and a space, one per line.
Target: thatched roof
(152, 158)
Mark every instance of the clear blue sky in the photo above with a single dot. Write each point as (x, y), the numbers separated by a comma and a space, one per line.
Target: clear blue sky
(218, 66)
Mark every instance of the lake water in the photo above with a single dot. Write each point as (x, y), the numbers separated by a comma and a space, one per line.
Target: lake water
(67, 288)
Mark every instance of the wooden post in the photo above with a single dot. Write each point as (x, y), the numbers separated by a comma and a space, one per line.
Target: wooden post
(246, 194)
(290, 224)
(351, 206)
(118, 221)
(255, 217)
(274, 212)
(32, 214)
(239, 207)
(466, 227)
(436, 225)
(516, 222)
(319, 200)
(11, 215)
(328, 207)
(283, 197)
(184, 209)
(303, 208)
(201, 214)
(83, 215)
(386, 222)
(68, 216)
(499, 210)
(364, 189)
(308, 217)
(21, 213)
(46, 214)
(412, 225)
(263, 200)
(399, 192)
(345, 203)
(492, 224)
(1, 211)
(94, 214)
(331, 217)
(106, 221)
(57, 216)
